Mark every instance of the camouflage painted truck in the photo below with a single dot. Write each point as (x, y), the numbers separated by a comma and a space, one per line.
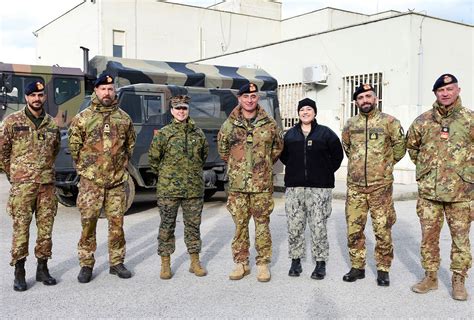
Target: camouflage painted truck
(144, 91)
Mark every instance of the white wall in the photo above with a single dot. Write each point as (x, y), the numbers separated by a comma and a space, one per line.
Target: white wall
(59, 41)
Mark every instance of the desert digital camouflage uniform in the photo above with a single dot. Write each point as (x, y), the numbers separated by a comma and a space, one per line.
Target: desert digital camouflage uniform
(374, 143)
(177, 156)
(27, 154)
(313, 205)
(250, 149)
(101, 140)
(445, 176)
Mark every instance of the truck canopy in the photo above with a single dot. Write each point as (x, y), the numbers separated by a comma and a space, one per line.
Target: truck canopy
(132, 71)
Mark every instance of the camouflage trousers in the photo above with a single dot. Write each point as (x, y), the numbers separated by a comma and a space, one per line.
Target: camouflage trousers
(242, 207)
(192, 209)
(90, 201)
(431, 214)
(380, 204)
(25, 200)
(314, 206)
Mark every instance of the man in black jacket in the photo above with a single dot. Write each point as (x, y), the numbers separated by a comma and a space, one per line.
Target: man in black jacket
(311, 153)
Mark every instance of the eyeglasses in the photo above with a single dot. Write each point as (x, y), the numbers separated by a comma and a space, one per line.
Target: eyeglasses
(180, 108)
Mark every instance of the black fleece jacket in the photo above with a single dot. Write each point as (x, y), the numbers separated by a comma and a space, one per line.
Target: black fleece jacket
(311, 162)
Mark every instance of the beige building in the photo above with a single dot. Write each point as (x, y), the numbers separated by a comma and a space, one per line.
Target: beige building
(322, 54)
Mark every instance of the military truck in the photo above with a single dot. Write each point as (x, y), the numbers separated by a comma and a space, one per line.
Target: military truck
(144, 91)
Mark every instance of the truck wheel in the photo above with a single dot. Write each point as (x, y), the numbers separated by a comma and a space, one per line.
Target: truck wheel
(208, 193)
(67, 201)
(129, 192)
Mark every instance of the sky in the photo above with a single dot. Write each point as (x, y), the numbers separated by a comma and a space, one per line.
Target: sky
(23, 17)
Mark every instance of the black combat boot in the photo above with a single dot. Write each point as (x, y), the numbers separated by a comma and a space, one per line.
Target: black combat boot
(42, 273)
(295, 268)
(85, 275)
(383, 279)
(120, 271)
(319, 271)
(354, 274)
(19, 284)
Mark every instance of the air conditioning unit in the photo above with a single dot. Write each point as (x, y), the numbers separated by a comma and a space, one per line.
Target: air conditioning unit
(317, 74)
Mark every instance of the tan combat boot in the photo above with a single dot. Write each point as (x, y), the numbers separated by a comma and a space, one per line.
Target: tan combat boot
(430, 282)
(459, 290)
(196, 267)
(240, 271)
(165, 273)
(263, 273)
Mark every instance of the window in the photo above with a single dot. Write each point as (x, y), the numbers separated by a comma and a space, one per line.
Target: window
(65, 89)
(153, 109)
(289, 95)
(17, 94)
(204, 105)
(350, 83)
(131, 104)
(118, 48)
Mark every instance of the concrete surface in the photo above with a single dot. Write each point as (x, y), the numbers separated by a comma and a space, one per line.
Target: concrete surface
(214, 296)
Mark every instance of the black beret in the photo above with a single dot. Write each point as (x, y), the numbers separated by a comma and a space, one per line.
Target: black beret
(362, 88)
(307, 102)
(36, 86)
(104, 79)
(444, 80)
(248, 88)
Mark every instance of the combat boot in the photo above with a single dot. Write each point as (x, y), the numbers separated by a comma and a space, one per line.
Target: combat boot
(263, 273)
(19, 284)
(165, 273)
(354, 274)
(319, 271)
(196, 267)
(120, 271)
(240, 271)
(295, 268)
(383, 278)
(429, 282)
(459, 290)
(42, 273)
(85, 275)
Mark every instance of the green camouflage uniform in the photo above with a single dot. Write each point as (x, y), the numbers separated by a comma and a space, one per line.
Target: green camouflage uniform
(27, 154)
(177, 156)
(250, 150)
(441, 146)
(373, 143)
(101, 140)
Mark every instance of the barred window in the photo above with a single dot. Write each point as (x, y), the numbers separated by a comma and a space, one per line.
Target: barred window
(288, 96)
(350, 83)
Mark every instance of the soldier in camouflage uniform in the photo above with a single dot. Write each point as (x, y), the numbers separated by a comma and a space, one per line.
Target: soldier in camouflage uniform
(440, 143)
(312, 153)
(250, 142)
(101, 140)
(373, 142)
(29, 143)
(177, 156)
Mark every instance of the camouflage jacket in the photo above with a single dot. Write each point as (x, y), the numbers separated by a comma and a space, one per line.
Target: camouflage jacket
(101, 141)
(441, 146)
(177, 155)
(373, 143)
(27, 154)
(250, 150)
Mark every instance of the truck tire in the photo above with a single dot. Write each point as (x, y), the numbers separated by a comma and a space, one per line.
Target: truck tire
(208, 193)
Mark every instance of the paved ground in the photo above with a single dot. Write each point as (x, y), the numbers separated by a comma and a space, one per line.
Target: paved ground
(214, 296)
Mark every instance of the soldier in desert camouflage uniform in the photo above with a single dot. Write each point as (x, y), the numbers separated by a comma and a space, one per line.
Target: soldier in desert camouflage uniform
(312, 153)
(29, 143)
(440, 143)
(250, 142)
(373, 142)
(101, 140)
(177, 156)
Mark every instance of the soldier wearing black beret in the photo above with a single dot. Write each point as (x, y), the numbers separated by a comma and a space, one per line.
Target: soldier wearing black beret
(440, 143)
